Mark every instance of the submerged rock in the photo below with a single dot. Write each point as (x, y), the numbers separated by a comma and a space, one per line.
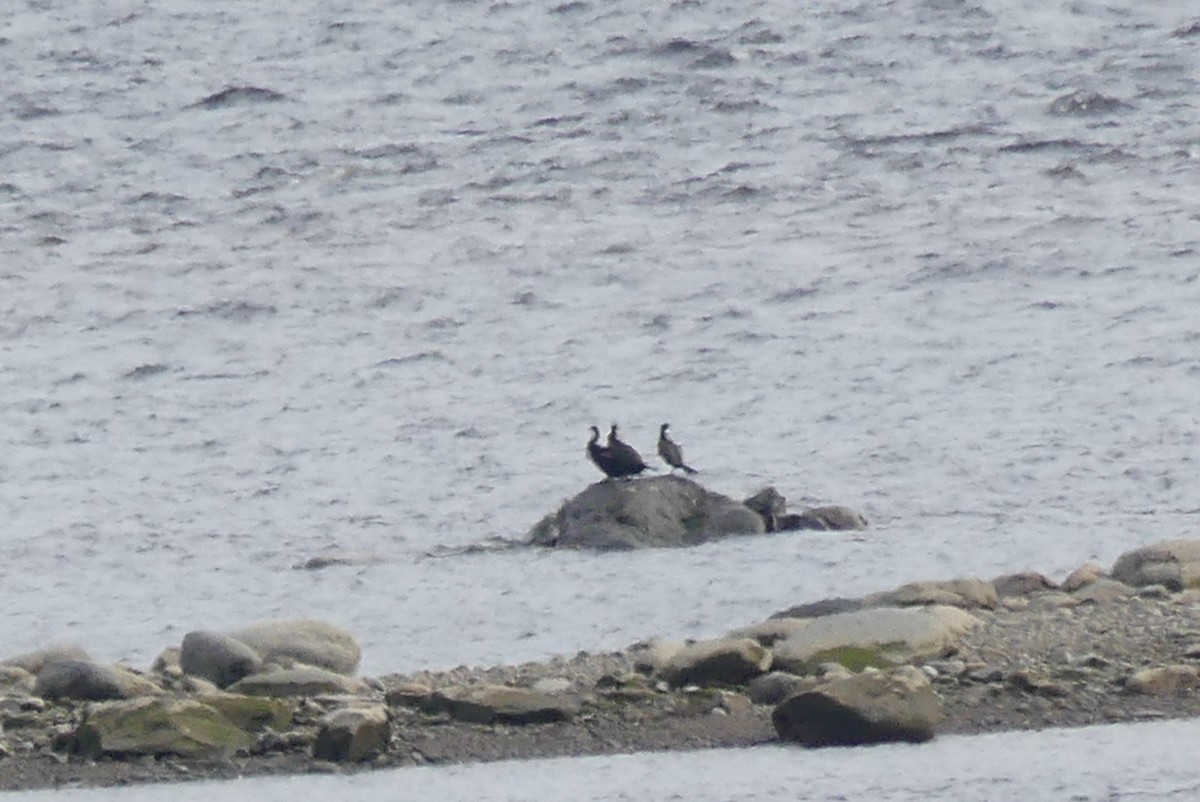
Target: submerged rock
(871, 707)
(638, 513)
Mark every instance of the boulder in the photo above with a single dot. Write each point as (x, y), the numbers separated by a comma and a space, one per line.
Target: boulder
(1102, 591)
(251, 713)
(90, 681)
(184, 727)
(1173, 563)
(14, 678)
(650, 512)
(217, 658)
(1163, 680)
(772, 688)
(965, 593)
(352, 734)
(872, 707)
(299, 681)
(831, 518)
(34, 661)
(1085, 574)
(653, 655)
(823, 607)
(769, 631)
(1022, 584)
(718, 662)
(501, 704)
(897, 633)
(312, 643)
(769, 504)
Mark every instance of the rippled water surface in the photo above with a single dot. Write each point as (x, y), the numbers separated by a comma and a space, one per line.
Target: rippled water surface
(288, 280)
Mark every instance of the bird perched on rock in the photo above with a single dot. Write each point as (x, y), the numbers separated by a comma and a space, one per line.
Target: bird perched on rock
(617, 461)
(670, 451)
(623, 459)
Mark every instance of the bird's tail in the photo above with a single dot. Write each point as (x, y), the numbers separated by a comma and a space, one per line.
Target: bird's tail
(688, 469)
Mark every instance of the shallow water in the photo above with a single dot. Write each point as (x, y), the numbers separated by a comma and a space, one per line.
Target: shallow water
(1137, 761)
(937, 262)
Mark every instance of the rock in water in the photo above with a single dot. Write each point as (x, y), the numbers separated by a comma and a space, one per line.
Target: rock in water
(313, 643)
(658, 511)
(868, 708)
(217, 658)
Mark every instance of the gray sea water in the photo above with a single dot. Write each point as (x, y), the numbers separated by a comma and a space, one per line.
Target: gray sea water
(280, 281)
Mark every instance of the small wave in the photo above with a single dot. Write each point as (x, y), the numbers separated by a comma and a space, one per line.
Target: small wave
(1034, 145)
(145, 371)
(239, 96)
(241, 311)
(1081, 103)
(1191, 29)
(419, 356)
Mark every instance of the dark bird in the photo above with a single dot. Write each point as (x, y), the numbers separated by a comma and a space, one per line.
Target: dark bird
(600, 456)
(670, 451)
(622, 459)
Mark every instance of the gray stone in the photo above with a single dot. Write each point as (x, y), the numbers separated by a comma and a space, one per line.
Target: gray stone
(651, 512)
(769, 504)
(299, 681)
(718, 662)
(352, 734)
(1022, 584)
(217, 658)
(897, 633)
(965, 593)
(305, 641)
(769, 631)
(829, 518)
(1083, 575)
(872, 707)
(552, 685)
(1103, 591)
(824, 607)
(654, 654)
(251, 713)
(182, 727)
(34, 661)
(500, 704)
(1173, 563)
(90, 681)
(775, 686)
(14, 678)
(1163, 680)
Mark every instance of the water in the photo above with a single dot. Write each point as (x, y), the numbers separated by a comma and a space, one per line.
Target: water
(1040, 767)
(355, 278)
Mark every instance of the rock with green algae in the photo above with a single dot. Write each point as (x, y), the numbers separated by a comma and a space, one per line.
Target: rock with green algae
(158, 726)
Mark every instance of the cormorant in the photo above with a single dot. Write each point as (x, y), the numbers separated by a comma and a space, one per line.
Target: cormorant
(622, 458)
(600, 456)
(670, 451)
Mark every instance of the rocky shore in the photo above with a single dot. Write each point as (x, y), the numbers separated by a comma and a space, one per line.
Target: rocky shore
(925, 659)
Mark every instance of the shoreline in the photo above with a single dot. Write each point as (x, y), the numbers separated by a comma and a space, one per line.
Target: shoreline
(1092, 651)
